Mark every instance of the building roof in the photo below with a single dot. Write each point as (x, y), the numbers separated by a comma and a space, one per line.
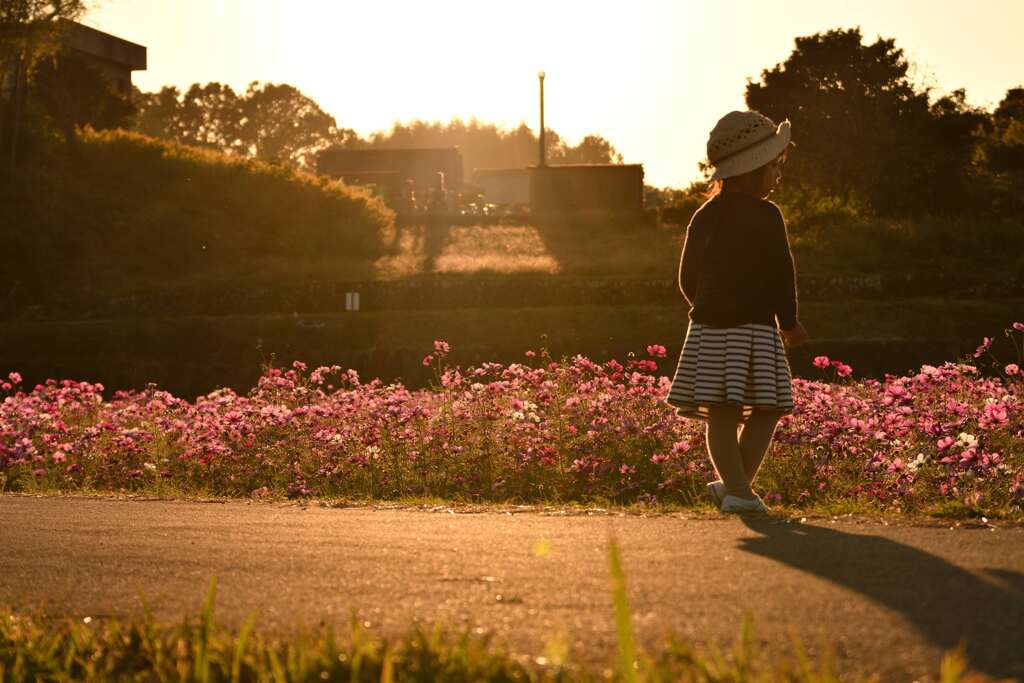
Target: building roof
(100, 45)
(589, 167)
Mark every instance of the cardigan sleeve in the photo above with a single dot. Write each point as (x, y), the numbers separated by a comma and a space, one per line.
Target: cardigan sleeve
(785, 302)
(692, 259)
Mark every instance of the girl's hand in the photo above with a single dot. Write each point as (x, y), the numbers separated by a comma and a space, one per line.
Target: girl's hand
(795, 337)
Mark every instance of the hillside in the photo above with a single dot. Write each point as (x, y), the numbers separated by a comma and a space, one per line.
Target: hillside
(131, 212)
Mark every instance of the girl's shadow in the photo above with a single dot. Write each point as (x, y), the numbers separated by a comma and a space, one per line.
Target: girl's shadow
(942, 601)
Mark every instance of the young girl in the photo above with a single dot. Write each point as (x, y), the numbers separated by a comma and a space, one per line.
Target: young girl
(737, 275)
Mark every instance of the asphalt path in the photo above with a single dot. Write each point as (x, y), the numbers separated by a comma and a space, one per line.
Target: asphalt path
(887, 596)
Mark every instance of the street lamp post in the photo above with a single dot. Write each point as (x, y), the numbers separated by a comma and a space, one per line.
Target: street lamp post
(543, 160)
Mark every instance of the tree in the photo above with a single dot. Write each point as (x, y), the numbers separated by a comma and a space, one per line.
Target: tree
(485, 145)
(860, 125)
(592, 149)
(75, 94)
(1001, 154)
(956, 131)
(1011, 108)
(482, 145)
(279, 123)
(270, 122)
(1004, 148)
(30, 31)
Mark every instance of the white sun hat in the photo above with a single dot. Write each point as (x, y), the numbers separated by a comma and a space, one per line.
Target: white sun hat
(744, 140)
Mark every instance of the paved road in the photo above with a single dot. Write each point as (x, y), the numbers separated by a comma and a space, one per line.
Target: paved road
(890, 597)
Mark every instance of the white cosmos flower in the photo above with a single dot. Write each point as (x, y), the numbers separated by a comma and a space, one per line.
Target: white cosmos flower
(917, 462)
(966, 440)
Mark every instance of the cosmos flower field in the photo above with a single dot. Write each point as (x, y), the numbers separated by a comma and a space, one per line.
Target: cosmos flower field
(945, 437)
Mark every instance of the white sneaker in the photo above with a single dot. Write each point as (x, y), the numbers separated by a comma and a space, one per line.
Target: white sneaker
(717, 491)
(733, 503)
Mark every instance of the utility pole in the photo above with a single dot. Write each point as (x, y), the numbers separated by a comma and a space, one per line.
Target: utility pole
(543, 156)
(19, 95)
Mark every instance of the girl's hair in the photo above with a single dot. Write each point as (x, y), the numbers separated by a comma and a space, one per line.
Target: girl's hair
(747, 182)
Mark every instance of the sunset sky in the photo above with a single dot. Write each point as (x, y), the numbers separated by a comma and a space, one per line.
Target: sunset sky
(652, 76)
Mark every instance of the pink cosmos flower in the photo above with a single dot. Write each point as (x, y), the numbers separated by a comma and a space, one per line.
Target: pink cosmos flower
(16, 377)
(1019, 327)
(1012, 368)
(821, 361)
(680, 447)
(428, 359)
(441, 347)
(945, 442)
(530, 354)
(656, 350)
(842, 369)
(986, 342)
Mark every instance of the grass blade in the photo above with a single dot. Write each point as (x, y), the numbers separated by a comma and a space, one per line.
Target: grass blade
(243, 636)
(623, 627)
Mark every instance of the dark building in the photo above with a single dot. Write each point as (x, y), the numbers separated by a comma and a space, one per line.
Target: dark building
(587, 189)
(114, 57)
(504, 186)
(418, 165)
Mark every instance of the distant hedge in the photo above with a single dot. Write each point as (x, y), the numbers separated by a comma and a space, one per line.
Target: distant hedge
(128, 209)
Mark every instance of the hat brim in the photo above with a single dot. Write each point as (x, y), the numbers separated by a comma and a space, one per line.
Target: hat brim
(756, 156)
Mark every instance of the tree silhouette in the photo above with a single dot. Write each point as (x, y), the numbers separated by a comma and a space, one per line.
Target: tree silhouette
(30, 31)
(592, 149)
(75, 94)
(1002, 153)
(485, 145)
(1011, 108)
(279, 123)
(858, 122)
(269, 121)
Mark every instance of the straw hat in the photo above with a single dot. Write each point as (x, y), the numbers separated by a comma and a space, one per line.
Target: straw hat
(744, 140)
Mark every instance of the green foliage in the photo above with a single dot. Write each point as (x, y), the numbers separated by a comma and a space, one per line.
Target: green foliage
(30, 35)
(30, 29)
(129, 210)
(74, 94)
(276, 122)
(485, 145)
(866, 134)
(269, 122)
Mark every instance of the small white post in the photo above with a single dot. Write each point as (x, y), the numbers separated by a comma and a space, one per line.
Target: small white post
(351, 301)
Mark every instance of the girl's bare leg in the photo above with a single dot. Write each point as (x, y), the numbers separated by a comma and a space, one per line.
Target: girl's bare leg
(724, 449)
(755, 438)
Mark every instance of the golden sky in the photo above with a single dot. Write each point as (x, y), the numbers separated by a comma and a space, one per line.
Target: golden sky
(652, 76)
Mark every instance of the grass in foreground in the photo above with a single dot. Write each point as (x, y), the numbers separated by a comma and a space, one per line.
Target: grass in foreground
(36, 649)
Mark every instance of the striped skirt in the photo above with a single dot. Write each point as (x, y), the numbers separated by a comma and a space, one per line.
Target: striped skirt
(744, 366)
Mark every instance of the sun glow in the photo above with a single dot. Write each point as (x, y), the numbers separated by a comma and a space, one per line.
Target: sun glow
(652, 76)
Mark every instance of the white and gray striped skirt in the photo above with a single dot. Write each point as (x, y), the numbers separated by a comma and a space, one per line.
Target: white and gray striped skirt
(744, 365)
